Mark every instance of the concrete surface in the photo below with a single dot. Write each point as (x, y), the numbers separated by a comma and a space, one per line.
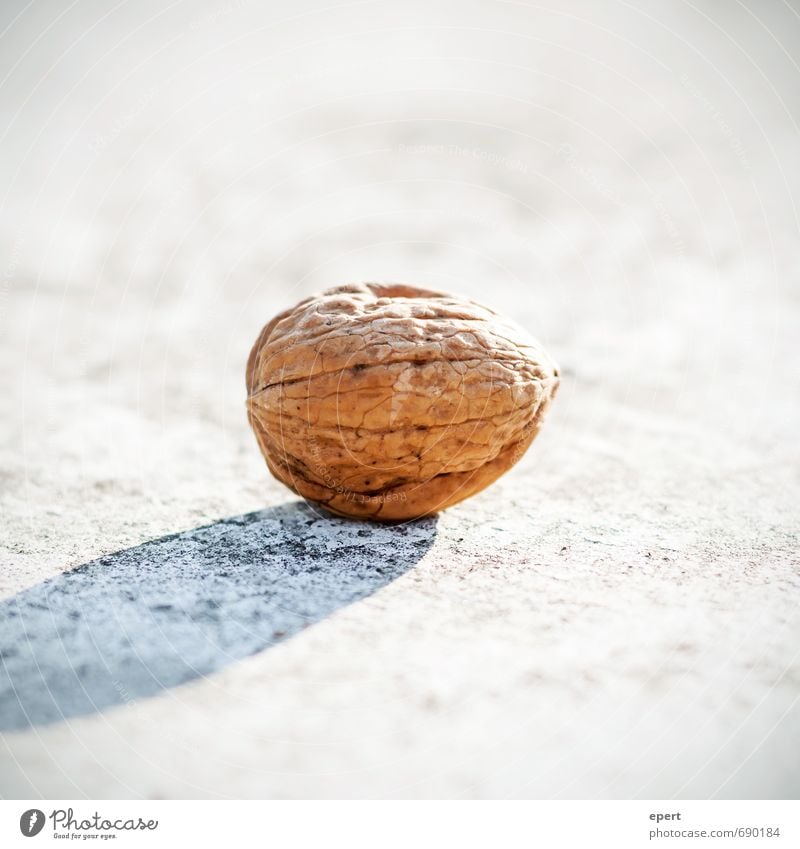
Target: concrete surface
(617, 617)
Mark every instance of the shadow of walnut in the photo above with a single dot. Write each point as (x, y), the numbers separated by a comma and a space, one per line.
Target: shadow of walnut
(139, 621)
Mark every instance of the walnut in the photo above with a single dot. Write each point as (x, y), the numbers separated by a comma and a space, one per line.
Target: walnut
(388, 402)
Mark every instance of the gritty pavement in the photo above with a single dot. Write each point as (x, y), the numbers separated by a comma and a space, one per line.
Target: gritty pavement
(619, 616)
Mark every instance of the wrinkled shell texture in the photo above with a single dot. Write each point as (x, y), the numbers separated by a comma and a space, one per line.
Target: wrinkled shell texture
(388, 402)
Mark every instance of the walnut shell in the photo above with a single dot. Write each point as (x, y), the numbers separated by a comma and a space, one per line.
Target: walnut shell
(388, 402)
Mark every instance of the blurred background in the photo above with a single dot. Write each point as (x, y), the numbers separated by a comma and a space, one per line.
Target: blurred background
(616, 617)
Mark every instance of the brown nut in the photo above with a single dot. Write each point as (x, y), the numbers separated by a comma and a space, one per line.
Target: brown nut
(387, 402)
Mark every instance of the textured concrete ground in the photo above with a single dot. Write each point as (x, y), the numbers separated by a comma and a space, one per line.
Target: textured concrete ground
(618, 616)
